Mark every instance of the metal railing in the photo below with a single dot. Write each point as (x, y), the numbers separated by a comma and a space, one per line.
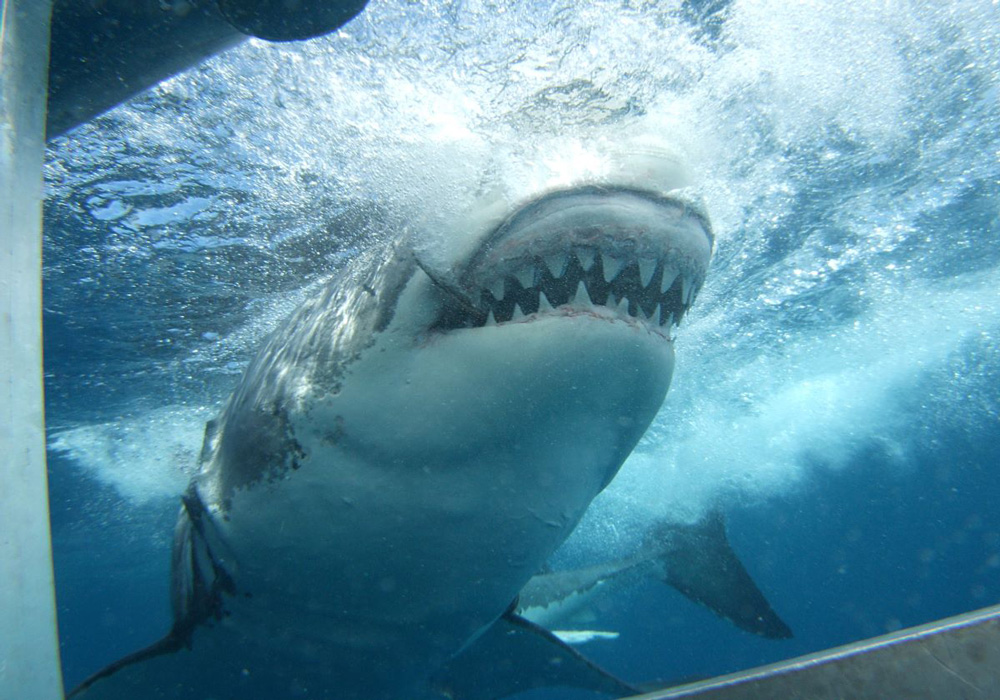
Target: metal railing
(29, 651)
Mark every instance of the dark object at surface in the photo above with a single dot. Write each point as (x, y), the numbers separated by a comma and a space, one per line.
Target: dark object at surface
(958, 657)
(288, 20)
(105, 51)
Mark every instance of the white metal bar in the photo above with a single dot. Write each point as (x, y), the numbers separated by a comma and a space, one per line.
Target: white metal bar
(957, 657)
(29, 651)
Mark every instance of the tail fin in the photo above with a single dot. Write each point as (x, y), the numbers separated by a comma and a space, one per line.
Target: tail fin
(698, 561)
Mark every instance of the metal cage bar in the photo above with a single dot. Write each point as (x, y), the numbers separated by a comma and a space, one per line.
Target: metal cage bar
(29, 650)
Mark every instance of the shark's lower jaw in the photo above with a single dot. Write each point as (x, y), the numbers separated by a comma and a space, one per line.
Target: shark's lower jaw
(616, 253)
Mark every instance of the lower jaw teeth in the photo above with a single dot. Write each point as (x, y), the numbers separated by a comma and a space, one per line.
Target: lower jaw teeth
(659, 316)
(582, 296)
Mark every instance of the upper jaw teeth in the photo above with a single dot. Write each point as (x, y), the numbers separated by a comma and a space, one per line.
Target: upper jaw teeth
(667, 281)
(647, 266)
(496, 288)
(526, 276)
(643, 288)
(556, 265)
(586, 257)
(612, 266)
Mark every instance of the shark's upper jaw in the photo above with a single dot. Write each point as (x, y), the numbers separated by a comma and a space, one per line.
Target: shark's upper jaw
(614, 252)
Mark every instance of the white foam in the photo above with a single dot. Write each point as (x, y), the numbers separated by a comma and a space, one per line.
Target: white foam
(150, 455)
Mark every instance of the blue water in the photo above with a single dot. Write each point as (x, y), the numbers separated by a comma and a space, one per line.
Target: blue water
(836, 385)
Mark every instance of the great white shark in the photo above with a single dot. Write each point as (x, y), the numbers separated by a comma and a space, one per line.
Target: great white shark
(411, 445)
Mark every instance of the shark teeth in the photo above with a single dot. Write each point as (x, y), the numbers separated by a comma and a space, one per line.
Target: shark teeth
(556, 265)
(496, 289)
(644, 288)
(667, 282)
(586, 257)
(582, 296)
(543, 303)
(526, 276)
(647, 266)
(622, 306)
(612, 266)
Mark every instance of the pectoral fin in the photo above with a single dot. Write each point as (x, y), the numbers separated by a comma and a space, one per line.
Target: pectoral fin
(169, 670)
(197, 658)
(698, 561)
(515, 655)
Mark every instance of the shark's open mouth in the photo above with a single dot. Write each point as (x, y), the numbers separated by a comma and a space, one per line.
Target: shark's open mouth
(644, 289)
(639, 255)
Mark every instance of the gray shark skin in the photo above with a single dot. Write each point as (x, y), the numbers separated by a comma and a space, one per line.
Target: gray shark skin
(407, 450)
(695, 558)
